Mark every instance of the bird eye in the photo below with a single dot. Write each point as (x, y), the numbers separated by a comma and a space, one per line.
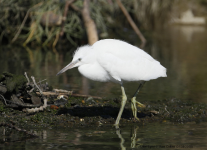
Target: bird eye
(79, 59)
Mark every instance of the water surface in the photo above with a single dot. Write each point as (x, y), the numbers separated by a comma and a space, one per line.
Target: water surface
(182, 50)
(151, 136)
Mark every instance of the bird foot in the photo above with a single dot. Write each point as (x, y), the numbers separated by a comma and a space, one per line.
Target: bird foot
(116, 126)
(135, 119)
(133, 100)
(134, 107)
(140, 104)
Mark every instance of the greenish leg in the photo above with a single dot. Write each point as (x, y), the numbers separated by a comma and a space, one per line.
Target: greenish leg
(123, 102)
(134, 102)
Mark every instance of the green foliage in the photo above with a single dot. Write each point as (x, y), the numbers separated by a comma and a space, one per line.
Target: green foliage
(40, 27)
(11, 14)
(2, 108)
(23, 120)
(73, 27)
(54, 111)
(44, 18)
(37, 117)
(13, 82)
(203, 2)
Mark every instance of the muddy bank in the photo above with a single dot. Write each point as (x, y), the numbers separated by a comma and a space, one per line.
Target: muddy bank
(63, 108)
(78, 112)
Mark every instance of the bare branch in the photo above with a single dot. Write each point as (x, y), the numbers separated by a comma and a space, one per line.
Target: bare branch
(23, 22)
(3, 99)
(25, 74)
(67, 4)
(41, 81)
(75, 8)
(33, 79)
(136, 29)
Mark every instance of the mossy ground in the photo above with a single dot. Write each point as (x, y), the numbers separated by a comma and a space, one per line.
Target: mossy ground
(78, 112)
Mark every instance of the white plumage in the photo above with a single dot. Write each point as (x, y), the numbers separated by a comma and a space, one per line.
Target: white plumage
(116, 61)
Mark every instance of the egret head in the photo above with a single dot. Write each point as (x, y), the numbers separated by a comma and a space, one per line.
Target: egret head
(79, 58)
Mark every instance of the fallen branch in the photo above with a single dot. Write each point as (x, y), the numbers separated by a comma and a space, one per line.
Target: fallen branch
(68, 94)
(41, 108)
(52, 93)
(62, 91)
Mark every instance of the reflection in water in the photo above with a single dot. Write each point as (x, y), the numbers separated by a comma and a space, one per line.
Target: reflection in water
(189, 31)
(121, 138)
(188, 62)
(135, 142)
(181, 49)
(131, 136)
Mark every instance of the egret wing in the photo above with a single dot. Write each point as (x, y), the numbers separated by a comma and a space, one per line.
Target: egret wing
(131, 70)
(121, 49)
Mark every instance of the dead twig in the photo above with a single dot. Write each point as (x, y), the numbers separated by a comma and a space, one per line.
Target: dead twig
(69, 93)
(33, 79)
(25, 74)
(31, 90)
(166, 110)
(41, 108)
(41, 81)
(4, 99)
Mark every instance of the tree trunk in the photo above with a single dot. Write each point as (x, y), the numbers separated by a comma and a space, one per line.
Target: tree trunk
(89, 23)
(92, 37)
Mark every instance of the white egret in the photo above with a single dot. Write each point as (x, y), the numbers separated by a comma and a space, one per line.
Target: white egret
(116, 61)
